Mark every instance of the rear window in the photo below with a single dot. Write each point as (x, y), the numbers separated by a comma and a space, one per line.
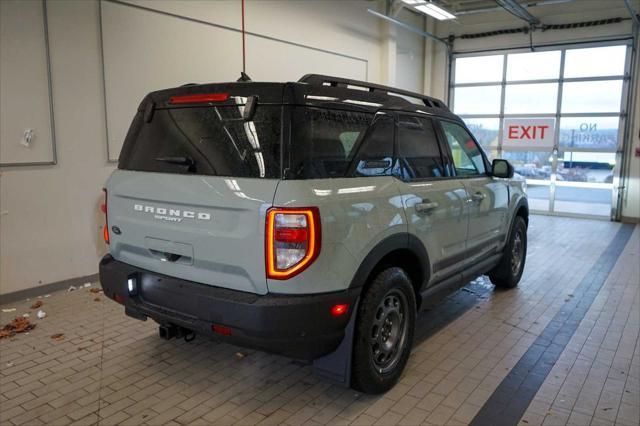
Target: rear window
(209, 140)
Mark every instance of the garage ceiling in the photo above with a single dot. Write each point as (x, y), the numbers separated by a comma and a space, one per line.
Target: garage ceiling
(463, 7)
(470, 7)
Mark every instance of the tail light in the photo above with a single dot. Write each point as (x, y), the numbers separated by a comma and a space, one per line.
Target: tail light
(292, 241)
(103, 207)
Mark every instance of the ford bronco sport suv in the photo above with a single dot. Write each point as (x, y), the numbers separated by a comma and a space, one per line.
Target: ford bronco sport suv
(311, 218)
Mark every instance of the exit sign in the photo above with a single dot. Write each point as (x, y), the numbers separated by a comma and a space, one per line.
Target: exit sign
(530, 134)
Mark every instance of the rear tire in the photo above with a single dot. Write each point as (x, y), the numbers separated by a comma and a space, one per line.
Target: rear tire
(509, 271)
(384, 332)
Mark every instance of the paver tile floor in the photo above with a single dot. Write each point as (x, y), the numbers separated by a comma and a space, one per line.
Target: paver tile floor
(110, 369)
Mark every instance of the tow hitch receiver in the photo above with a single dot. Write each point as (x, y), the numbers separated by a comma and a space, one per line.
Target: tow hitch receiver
(169, 331)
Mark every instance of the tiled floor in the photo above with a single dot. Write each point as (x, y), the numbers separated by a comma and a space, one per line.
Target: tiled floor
(111, 369)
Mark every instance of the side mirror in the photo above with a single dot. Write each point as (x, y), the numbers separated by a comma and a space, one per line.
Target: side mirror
(250, 108)
(502, 169)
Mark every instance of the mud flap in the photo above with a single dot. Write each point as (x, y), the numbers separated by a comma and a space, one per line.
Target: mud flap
(336, 366)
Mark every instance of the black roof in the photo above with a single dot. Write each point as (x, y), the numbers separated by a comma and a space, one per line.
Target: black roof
(337, 92)
(317, 90)
(391, 94)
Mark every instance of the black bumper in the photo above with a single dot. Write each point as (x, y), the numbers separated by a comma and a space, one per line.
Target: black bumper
(297, 326)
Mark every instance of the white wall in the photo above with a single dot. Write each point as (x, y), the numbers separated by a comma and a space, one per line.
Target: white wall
(410, 53)
(24, 83)
(577, 11)
(50, 224)
(49, 228)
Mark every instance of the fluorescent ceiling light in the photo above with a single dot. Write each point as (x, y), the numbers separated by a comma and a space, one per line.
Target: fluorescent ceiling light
(431, 9)
(435, 11)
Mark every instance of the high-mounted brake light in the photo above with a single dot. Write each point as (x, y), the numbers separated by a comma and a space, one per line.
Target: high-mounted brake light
(104, 208)
(292, 241)
(199, 98)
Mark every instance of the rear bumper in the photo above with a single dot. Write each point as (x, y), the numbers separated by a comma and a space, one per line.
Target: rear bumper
(292, 325)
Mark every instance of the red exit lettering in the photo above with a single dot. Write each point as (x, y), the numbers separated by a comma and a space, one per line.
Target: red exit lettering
(517, 131)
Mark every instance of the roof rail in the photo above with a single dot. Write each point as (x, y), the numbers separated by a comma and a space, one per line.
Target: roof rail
(326, 80)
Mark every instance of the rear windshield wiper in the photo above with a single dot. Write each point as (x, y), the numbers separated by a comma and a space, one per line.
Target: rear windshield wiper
(180, 161)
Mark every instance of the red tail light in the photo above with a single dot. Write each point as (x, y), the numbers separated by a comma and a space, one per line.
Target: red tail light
(199, 98)
(292, 240)
(103, 207)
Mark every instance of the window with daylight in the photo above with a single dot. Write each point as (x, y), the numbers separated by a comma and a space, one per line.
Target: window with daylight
(583, 89)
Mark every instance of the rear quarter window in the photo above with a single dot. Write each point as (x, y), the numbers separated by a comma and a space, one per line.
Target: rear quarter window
(332, 143)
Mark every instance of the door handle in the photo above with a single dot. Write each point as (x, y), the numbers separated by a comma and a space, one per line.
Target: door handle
(478, 197)
(426, 206)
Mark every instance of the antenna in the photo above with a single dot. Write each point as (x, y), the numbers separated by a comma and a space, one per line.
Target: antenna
(244, 61)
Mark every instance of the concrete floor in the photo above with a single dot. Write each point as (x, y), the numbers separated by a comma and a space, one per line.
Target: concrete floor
(474, 359)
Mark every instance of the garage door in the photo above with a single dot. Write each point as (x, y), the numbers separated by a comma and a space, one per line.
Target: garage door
(556, 114)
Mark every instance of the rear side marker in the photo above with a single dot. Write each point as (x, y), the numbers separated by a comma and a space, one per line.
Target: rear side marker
(338, 310)
(221, 329)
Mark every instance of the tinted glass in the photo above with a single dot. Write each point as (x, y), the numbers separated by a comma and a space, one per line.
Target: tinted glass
(374, 154)
(323, 141)
(467, 157)
(486, 131)
(205, 140)
(418, 148)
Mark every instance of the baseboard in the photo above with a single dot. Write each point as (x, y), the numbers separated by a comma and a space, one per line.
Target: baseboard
(632, 220)
(45, 289)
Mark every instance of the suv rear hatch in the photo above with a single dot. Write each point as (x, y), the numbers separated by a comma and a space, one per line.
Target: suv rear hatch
(194, 181)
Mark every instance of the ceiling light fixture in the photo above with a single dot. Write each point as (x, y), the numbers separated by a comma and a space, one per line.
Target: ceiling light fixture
(431, 9)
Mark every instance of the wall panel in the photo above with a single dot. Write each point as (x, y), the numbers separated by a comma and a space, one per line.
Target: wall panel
(25, 101)
(146, 50)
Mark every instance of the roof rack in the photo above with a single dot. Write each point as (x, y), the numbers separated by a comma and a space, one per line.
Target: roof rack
(326, 80)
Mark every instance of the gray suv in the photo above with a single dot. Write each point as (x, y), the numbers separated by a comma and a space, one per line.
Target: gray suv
(312, 219)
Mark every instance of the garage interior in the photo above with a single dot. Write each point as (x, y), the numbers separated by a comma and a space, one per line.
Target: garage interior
(561, 348)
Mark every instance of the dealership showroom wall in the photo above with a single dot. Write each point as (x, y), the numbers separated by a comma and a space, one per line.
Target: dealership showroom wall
(563, 347)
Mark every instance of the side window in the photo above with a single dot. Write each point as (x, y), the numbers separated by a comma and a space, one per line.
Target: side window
(418, 149)
(374, 155)
(348, 140)
(467, 157)
(323, 141)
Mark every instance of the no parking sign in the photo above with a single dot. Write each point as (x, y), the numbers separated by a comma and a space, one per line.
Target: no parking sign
(529, 134)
